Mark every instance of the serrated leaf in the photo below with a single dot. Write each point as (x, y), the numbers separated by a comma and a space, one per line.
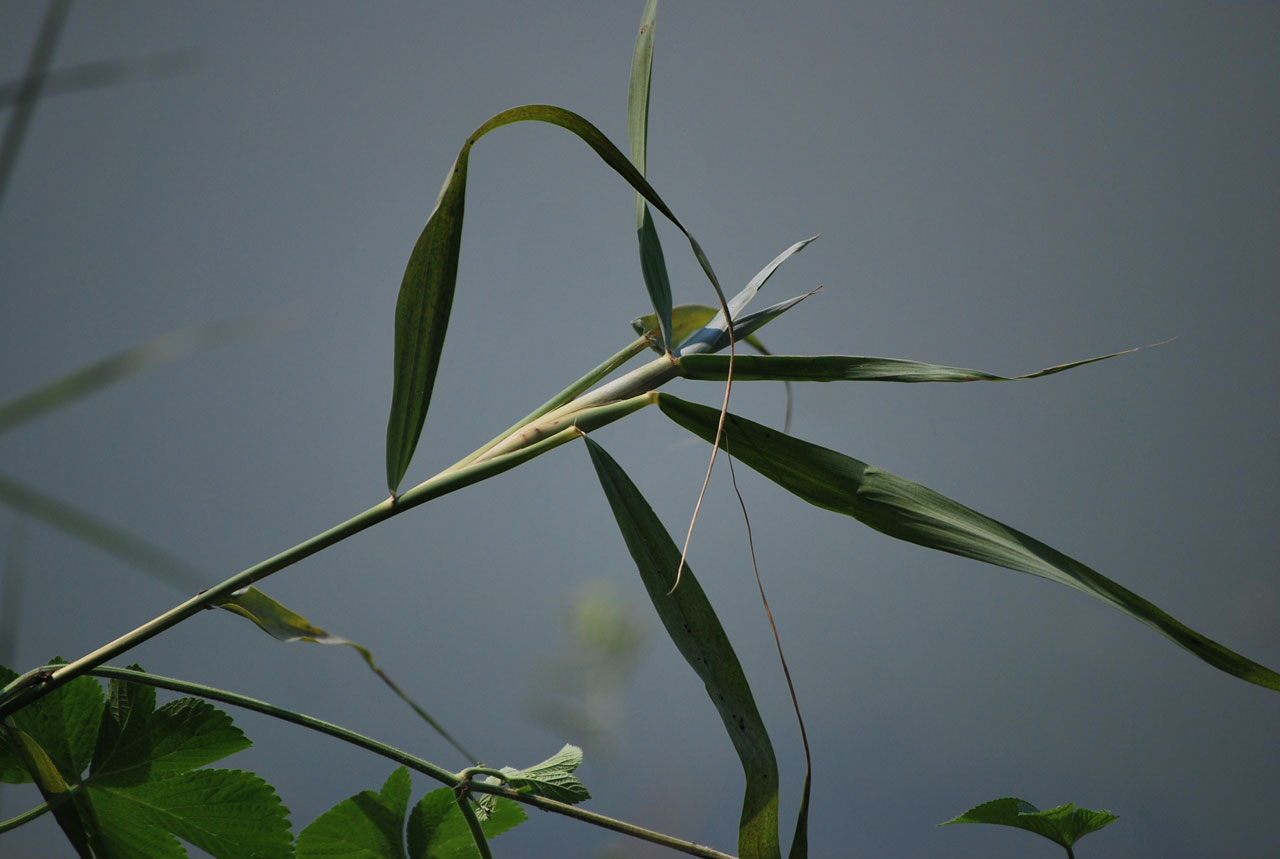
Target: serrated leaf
(852, 368)
(696, 632)
(227, 813)
(1064, 825)
(437, 829)
(914, 513)
(553, 778)
(369, 825)
(430, 278)
(65, 723)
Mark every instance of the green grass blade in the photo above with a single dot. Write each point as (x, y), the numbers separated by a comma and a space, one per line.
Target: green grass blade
(911, 512)
(853, 368)
(652, 263)
(696, 632)
(426, 292)
(686, 319)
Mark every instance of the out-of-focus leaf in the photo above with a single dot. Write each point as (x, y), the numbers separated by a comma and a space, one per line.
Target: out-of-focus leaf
(1064, 825)
(852, 368)
(101, 534)
(426, 292)
(138, 359)
(915, 513)
(696, 632)
(713, 337)
(285, 624)
(652, 264)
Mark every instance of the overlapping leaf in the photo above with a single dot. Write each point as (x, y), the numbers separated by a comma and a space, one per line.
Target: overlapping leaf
(144, 790)
(696, 632)
(426, 292)
(911, 512)
(372, 825)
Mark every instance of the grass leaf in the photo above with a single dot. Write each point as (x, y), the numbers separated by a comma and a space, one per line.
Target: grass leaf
(426, 292)
(852, 368)
(696, 632)
(916, 514)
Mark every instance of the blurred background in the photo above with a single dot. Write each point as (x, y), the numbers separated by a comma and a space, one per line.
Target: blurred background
(999, 185)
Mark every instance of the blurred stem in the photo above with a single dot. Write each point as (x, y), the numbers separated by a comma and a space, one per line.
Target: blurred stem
(29, 89)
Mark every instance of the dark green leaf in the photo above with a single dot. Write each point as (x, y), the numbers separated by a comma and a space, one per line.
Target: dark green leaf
(850, 368)
(917, 514)
(65, 723)
(696, 632)
(369, 825)
(426, 292)
(437, 829)
(1064, 825)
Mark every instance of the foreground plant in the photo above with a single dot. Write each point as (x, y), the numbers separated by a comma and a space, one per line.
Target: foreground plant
(53, 730)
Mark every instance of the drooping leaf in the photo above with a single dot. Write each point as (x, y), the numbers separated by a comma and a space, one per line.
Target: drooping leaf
(369, 825)
(911, 512)
(426, 292)
(713, 337)
(285, 624)
(852, 368)
(437, 829)
(553, 778)
(696, 632)
(1064, 825)
(652, 264)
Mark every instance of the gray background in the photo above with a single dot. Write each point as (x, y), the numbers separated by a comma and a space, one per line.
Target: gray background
(999, 185)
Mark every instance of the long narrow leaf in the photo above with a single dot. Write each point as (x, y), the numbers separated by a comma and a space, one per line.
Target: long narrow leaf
(911, 512)
(426, 292)
(713, 336)
(652, 264)
(852, 368)
(697, 634)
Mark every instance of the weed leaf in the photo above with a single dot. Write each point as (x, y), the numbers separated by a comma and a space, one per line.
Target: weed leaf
(911, 512)
(696, 632)
(1064, 825)
(144, 789)
(553, 778)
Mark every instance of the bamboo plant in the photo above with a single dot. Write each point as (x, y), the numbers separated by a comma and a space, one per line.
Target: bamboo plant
(125, 778)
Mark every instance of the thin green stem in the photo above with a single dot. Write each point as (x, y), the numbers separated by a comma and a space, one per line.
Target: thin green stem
(26, 817)
(469, 815)
(452, 780)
